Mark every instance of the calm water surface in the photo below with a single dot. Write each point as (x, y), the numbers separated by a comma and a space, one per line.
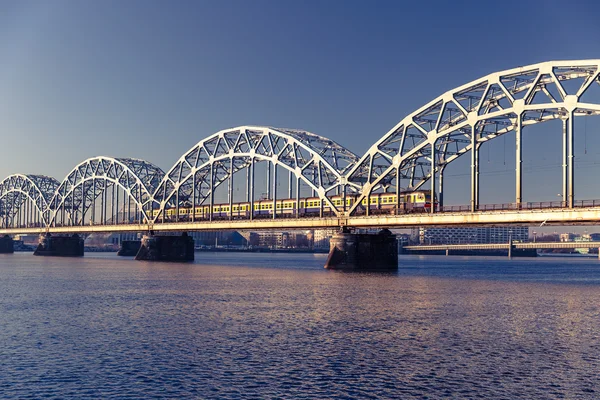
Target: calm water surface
(260, 326)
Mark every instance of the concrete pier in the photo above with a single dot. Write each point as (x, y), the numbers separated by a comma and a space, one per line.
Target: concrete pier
(166, 248)
(129, 248)
(6, 245)
(363, 252)
(59, 246)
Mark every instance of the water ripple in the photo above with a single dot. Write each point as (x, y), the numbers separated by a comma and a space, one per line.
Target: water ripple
(282, 328)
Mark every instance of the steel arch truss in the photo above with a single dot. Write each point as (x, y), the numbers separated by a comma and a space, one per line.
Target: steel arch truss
(24, 200)
(104, 190)
(420, 146)
(314, 160)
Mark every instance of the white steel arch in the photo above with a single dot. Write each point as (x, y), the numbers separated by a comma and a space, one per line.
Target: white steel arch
(76, 196)
(317, 161)
(422, 144)
(24, 199)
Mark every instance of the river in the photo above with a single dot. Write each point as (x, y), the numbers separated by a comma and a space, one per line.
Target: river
(262, 326)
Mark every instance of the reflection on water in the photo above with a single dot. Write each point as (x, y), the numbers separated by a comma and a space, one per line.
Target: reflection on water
(279, 326)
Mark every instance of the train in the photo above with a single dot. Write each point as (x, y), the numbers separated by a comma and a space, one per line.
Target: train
(380, 203)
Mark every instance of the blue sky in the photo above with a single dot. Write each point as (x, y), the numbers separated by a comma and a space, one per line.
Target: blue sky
(149, 79)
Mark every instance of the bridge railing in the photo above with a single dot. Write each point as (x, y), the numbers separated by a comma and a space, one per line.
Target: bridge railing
(533, 205)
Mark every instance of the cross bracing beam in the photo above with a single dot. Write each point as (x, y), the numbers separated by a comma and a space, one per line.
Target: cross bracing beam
(475, 113)
(314, 160)
(84, 191)
(26, 197)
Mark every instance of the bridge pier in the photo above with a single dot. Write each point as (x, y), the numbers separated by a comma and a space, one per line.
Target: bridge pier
(6, 245)
(363, 252)
(59, 246)
(129, 248)
(166, 248)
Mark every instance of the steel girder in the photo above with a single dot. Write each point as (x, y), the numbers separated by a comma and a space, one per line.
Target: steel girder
(26, 197)
(89, 180)
(423, 143)
(315, 160)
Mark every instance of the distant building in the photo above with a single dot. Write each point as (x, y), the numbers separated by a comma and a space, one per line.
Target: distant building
(321, 237)
(277, 239)
(567, 237)
(458, 235)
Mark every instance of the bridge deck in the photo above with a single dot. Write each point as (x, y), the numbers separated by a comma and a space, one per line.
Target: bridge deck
(555, 216)
(503, 246)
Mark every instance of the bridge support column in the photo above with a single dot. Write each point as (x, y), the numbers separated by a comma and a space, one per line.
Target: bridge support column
(129, 248)
(363, 252)
(166, 248)
(441, 190)
(565, 152)
(59, 246)
(571, 160)
(433, 167)
(6, 245)
(474, 170)
(519, 162)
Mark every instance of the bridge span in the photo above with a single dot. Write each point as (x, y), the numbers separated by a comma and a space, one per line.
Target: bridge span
(260, 177)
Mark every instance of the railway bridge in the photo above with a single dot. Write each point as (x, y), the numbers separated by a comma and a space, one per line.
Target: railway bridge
(258, 177)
